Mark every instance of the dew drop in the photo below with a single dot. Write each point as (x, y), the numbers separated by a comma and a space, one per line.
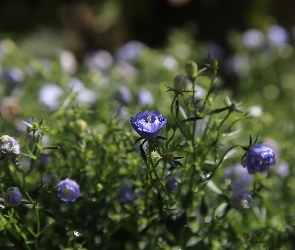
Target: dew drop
(97, 239)
(207, 219)
(76, 233)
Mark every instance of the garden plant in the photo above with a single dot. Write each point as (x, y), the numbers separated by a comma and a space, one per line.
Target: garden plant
(149, 151)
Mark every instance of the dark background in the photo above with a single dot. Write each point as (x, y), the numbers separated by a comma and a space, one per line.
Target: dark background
(144, 20)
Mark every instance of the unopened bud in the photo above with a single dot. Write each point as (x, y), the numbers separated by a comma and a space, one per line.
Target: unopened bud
(191, 69)
(180, 83)
(167, 157)
(79, 126)
(214, 63)
(12, 197)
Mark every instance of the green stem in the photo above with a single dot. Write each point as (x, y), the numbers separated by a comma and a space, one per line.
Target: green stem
(210, 89)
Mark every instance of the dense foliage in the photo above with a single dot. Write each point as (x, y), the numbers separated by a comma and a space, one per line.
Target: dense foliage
(147, 150)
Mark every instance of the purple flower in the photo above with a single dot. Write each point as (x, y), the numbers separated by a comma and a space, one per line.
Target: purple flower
(171, 184)
(127, 194)
(253, 38)
(259, 158)
(277, 35)
(148, 124)
(130, 51)
(239, 177)
(68, 190)
(145, 97)
(14, 76)
(9, 146)
(12, 197)
(241, 200)
(282, 170)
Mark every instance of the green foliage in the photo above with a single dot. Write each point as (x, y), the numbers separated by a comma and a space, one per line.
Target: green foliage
(95, 145)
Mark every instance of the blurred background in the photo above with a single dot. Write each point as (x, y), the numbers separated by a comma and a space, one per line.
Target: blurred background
(81, 26)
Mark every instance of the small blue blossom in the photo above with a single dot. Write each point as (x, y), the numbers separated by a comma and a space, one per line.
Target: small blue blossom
(127, 194)
(9, 147)
(148, 124)
(239, 177)
(172, 184)
(258, 159)
(13, 76)
(241, 200)
(145, 97)
(68, 190)
(12, 197)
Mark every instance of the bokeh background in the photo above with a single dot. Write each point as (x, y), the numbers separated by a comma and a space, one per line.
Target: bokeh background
(86, 67)
(87, 25)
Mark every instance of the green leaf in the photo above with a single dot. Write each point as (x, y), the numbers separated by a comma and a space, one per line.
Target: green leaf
(52, 147)
(216, 111)
(143, 156)
(48, 214)
(192, 119)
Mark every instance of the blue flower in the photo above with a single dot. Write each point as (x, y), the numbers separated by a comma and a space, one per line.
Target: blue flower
(241, 200)
(172, 184)
(9, 146)
(148, 124)
(68, 190)
(127, 194)
(259, 158)
(12, 197)
(239, 177)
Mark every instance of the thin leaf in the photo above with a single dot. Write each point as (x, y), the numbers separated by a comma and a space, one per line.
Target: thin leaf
(48, 214)
(143, 155)
(216, 111)
(52, 147)
(192, 119)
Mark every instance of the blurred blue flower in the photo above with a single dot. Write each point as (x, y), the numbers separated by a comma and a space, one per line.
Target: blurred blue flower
(239, 177)
(44, 159)
(124, 94)
(99, 60)
(13, 76)
(68, 190)
(84, 95)
(241, 200)
(145, 97)
(253, 38)
(126, 72)
(130, 51)
(49, 95)
(171, 183)
(259, 158)
(126, 193)
(12, 197)
(282, 169)
(277, 35)
(148, 124)
(9, 146)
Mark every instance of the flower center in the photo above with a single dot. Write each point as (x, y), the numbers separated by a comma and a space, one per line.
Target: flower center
(149, 119)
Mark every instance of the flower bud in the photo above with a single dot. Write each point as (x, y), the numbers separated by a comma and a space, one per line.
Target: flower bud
(241, 200)
(214, 63)
(68, 190)
(179, 83)
(9, 147)
(168, 156)
(79, 126)
(127, 194)
(171, 184)
(191, 69)
(12, 197)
